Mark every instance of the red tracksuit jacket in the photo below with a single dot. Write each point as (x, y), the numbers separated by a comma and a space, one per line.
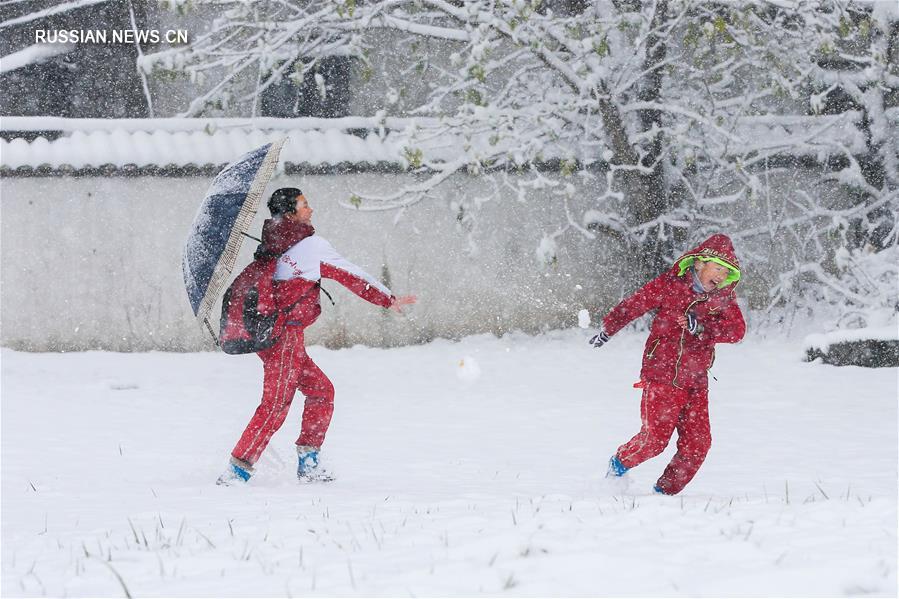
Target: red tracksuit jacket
(672, 355)
(299, 270)
(303, 259)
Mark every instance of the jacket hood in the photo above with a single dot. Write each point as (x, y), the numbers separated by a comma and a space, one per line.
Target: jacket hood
(279, 235)
(717, 248)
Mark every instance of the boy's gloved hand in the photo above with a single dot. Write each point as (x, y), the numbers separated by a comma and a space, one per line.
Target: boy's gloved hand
(599, 339)
(690, 322)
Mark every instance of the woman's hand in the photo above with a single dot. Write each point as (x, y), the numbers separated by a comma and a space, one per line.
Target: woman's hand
(402, 300)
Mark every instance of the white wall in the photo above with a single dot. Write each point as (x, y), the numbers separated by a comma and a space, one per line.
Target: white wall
(96, 263)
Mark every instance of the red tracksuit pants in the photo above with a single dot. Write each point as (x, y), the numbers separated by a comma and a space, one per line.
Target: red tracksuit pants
(663, 409)
(288, 368)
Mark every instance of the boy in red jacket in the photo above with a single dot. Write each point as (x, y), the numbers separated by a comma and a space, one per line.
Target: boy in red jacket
(696, 306)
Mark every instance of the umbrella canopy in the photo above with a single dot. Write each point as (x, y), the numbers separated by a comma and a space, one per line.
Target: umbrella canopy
(221, 222)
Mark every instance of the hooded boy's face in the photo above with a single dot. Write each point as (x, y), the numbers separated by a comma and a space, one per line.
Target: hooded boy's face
(710, 274)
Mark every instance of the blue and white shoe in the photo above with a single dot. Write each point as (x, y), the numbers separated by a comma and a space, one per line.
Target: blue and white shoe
(235, 474)
(616, 468)
(616, 481)
(308, 469)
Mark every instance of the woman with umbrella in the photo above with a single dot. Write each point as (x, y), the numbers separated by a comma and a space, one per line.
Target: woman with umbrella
(303, 259)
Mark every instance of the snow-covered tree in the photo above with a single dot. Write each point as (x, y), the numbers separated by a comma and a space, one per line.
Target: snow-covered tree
(44, 72)
(685, 117)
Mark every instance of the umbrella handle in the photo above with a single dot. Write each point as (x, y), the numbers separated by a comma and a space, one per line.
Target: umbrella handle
(211, 332)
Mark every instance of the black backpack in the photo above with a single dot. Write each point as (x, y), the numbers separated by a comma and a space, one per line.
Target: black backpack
(249, 321)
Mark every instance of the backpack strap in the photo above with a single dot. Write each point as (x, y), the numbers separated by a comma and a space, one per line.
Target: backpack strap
(318, 284)
(325, 291)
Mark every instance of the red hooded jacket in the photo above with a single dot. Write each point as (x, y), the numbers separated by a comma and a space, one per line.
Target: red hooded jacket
(672, 355)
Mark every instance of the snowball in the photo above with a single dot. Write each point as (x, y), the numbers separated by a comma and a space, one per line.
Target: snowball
(468, 370)
(547, 250)
(583, 319)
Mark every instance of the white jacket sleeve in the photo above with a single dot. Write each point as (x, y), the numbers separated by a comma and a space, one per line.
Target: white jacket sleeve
(314, 258)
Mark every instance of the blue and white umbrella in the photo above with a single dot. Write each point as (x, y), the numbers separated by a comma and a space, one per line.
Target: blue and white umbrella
(220, 225)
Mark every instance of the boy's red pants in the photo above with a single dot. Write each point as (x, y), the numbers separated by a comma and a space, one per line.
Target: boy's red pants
(288, 368)
(663, 409)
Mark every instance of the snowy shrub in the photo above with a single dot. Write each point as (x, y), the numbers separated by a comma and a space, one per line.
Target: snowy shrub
(860, 291)
(868, 296)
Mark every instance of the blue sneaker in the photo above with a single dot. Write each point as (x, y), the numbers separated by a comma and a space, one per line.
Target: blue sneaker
(658, 490)
(233, 475)
(308, 469)
(616, 468)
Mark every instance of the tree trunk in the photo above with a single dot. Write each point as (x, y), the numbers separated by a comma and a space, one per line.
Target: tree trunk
(645, 189)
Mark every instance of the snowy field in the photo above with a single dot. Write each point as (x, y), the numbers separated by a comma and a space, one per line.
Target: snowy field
(451, 481)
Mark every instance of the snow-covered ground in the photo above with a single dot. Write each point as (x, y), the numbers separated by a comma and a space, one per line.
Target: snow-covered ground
(469, 468)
